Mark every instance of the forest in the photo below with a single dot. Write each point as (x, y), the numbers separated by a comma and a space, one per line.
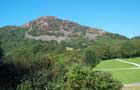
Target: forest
(46, 65)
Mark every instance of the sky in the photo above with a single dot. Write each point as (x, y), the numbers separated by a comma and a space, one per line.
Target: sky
(116, 16)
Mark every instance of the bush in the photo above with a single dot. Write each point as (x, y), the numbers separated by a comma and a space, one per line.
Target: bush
(83, 78)
(25, 86)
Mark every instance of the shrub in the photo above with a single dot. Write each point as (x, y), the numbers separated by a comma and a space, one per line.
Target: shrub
(83, 78)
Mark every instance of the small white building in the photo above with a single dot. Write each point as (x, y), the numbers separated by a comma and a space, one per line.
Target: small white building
(69, 49)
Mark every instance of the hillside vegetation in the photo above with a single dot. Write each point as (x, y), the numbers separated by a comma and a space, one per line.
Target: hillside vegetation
(28, 64)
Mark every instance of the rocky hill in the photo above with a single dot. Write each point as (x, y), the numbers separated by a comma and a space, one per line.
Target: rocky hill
(51, 28)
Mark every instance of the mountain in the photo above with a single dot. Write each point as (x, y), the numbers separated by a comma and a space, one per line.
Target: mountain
(136, 37)
(49, 28)
(32, 57)
(52, 28)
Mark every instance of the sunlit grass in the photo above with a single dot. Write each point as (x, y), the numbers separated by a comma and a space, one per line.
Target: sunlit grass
(125, 76)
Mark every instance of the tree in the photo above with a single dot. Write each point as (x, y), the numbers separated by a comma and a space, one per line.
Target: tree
(91, 58)
(128, 49)
(1, 52)
(136, 47)
(115, 51)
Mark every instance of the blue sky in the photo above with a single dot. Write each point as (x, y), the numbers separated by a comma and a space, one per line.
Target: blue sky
(117, 16)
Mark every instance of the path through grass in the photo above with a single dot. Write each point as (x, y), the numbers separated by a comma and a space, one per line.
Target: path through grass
(134, 60)
(125, 76)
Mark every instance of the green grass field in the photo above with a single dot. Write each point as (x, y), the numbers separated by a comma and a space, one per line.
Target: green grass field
(113, 64)
(125, 76)
(135, 60)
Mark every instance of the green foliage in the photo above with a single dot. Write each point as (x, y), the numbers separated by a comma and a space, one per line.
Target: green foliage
(1, 53)
(11, 37)
(36, 65)
(91, 58)
(77, 43)
(110, 39)
(125, 49)
(135, 38)
(41, 79)
(37, 32)
(25, 86)
(83, 78)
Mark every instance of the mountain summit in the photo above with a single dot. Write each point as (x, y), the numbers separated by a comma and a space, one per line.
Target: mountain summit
(53, 28)
(42, 23)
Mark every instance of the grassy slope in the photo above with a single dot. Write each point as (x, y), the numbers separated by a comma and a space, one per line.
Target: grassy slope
(135, 60)
(113, 64)
(125, 76)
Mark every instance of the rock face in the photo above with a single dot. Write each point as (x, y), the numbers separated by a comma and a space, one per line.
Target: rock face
(52, 28)
(44, 23)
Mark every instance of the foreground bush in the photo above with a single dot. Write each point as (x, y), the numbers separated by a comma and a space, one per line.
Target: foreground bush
(84, 78)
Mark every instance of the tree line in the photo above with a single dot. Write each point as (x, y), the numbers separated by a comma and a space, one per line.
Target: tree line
(36, 65)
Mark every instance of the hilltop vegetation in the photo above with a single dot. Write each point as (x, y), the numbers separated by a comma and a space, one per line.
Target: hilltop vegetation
(136, 37)
(29, 64)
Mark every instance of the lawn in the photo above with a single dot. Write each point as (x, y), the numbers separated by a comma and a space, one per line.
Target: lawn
(113, 64)
(125, 76)
(135, 60)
